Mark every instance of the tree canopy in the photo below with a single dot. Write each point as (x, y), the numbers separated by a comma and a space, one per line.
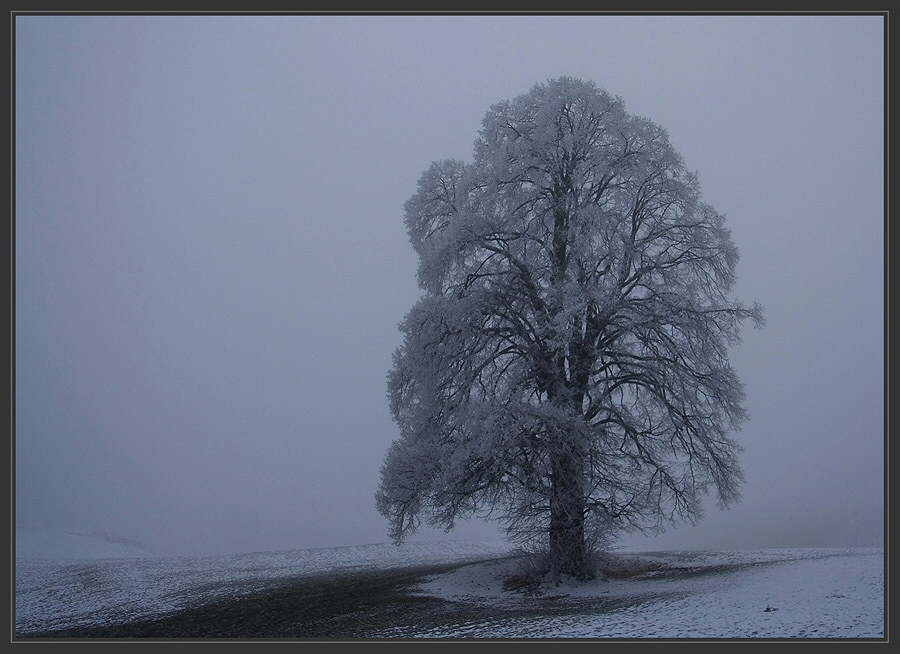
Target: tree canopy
(566, 369)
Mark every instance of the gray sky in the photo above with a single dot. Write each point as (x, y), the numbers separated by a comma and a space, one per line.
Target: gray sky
(211, 261)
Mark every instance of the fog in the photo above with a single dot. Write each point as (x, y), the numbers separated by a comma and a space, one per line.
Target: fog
(211, 262)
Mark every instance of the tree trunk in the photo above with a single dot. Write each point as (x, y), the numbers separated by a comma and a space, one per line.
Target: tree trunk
(568, 550)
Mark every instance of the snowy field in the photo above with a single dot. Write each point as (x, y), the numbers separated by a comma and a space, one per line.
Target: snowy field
(65, 580)
(794, 593)
(71, 579)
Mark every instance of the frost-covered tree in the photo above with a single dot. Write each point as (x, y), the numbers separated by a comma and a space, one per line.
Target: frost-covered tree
(566, 369)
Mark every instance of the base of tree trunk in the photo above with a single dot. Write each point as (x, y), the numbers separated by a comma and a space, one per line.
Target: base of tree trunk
(569, 553)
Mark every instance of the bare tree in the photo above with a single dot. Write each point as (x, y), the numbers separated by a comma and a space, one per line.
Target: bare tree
(566, 369)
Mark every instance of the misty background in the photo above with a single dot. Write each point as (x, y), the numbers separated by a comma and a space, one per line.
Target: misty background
(211, 261)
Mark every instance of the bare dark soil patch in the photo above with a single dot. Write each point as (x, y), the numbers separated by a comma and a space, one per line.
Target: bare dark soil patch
(354, 605)
(370, 604)
(336, 605)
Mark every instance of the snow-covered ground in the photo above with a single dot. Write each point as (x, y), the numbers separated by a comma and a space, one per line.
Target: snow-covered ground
(795, 593)
(77, 579)
(72, 579)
